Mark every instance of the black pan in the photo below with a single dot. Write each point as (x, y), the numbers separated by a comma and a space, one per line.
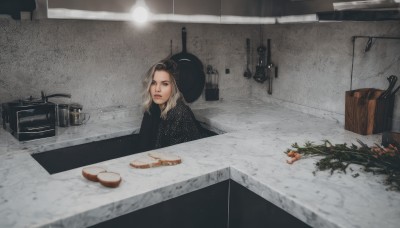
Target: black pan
(191, 72)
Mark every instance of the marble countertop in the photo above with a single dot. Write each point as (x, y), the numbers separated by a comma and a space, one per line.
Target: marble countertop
(250, 153)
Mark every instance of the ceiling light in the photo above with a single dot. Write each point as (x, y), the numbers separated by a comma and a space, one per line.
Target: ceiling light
(140, 14)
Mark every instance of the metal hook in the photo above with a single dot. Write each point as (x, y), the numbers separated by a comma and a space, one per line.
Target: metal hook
(369, 44)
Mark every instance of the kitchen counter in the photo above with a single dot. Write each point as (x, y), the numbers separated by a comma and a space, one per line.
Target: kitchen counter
(250, 153)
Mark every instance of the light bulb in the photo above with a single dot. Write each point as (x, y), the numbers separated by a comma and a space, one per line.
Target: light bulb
(140, 14)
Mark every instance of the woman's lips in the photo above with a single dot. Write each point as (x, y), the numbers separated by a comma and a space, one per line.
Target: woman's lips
(157, 96)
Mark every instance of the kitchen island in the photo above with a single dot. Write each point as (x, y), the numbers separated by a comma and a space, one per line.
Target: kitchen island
(250, 152)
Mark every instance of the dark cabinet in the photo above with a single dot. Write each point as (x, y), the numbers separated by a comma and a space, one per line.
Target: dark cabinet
(205, 208)
(246, 209)
(226, 204)
(195, 7)
(247, 8)
(15, 7)
(160, 6)
(301, 7)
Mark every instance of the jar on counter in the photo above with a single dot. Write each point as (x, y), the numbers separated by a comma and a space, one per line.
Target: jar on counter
(76, 117)
(75, 107)
(63, 115)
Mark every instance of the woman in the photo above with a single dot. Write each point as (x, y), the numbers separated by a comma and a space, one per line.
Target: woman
(167, 120)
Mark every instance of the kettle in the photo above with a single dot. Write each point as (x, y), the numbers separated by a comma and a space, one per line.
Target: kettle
(76, 116)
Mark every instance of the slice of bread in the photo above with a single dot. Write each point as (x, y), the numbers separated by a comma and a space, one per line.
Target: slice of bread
(145, 162)
(91, 173)
(166, 159)
(109, 179)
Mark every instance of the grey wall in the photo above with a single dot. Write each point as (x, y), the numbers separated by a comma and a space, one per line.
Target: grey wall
(315, 64)
(102, 63)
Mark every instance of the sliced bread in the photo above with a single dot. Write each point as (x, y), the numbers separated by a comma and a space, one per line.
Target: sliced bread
(145, 162)
(165, 158)
(109, 179)
(91, 173)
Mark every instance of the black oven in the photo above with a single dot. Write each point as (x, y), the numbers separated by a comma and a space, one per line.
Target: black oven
(27, 121)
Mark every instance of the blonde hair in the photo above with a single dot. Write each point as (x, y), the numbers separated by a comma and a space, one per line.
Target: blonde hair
(170, 67)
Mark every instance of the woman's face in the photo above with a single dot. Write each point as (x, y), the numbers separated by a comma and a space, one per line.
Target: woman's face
(161, 87)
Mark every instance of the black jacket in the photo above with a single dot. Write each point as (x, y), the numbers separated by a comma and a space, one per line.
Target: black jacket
(179, 126)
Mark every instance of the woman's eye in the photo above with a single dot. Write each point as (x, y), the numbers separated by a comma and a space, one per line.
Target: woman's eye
(165, 83)
(153, 82)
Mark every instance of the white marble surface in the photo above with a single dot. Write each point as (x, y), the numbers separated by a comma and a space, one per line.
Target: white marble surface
(250, 153)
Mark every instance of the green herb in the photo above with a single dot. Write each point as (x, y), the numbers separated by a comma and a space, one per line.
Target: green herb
(375, 159)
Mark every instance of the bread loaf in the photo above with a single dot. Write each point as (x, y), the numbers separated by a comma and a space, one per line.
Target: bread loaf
(145, 162)
(91, 173)
(109, 179)
(166, 159)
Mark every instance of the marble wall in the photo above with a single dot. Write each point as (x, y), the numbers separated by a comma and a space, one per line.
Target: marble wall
(102, 63)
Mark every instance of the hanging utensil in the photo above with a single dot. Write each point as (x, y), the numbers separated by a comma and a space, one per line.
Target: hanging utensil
(395, 91)
(368, 45)
(170, 46)
(212, 90)
(247, 72)
(209, 77)
(392, 82)
(191, 72)
(216, 79)
(269, 66)
(260, 68)
(259, 76)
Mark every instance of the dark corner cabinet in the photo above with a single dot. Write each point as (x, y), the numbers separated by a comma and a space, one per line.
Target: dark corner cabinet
(222, 205)
(247, 209)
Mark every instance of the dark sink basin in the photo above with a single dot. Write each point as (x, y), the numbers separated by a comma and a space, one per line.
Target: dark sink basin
(59, 160)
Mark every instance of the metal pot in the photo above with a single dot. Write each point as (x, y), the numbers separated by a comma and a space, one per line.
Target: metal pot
(63, 115)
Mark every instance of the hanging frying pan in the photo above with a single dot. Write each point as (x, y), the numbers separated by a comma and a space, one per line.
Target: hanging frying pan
(191, 72)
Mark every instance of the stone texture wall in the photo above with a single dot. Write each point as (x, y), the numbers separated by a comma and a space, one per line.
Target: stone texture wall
(102, 63)
(315, 62)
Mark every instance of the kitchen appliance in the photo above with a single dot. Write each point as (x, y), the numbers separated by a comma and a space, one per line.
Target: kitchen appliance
(63, 115)
(212, 81)
(79, 118)
(30, 118)
(76, 116)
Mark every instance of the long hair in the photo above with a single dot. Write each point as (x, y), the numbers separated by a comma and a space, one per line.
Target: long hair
(170, 67)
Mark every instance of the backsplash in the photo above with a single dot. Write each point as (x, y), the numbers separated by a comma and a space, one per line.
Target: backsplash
(315, 63)
(102, 63)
